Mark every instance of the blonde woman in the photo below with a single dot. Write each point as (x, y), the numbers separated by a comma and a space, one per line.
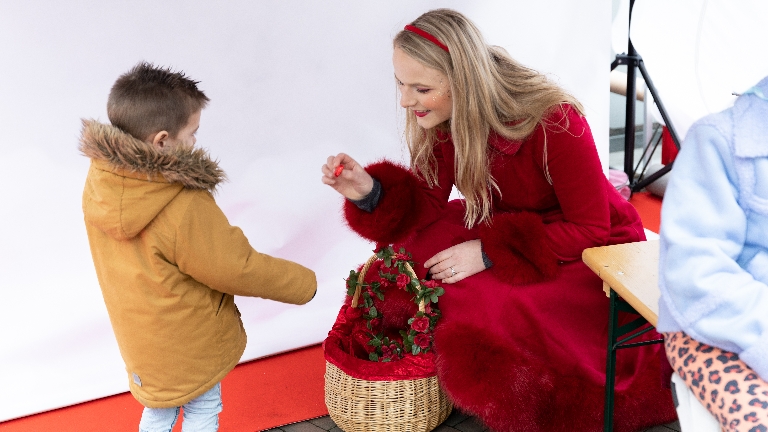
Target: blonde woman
(522, 340)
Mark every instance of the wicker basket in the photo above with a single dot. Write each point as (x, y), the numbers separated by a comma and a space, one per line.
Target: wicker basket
(357, 405)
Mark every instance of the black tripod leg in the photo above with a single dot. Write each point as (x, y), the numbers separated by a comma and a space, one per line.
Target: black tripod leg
(657, 99)
(651, 178)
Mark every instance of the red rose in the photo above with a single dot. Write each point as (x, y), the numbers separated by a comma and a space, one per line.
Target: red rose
(402, 257)
(420, 324)
(428, 309)
(402, 280)
(430, 284)
(375, 323)
(421, 340)
(388, 352)
(353, 313)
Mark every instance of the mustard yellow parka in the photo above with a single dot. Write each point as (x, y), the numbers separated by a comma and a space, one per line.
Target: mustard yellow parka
(169, 263)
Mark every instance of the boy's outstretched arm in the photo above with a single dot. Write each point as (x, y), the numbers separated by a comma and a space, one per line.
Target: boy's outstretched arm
(215, 253)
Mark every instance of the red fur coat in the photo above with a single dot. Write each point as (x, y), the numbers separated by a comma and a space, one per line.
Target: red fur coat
(522, 345)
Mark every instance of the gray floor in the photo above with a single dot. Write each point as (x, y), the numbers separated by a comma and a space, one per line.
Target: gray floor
(455, 422)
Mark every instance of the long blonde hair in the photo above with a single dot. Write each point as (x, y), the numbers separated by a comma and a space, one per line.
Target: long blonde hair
(490, 92)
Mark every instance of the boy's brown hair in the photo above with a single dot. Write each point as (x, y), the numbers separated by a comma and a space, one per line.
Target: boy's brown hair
(149, 99)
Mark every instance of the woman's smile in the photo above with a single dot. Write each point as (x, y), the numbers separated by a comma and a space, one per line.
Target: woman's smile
(422, 87)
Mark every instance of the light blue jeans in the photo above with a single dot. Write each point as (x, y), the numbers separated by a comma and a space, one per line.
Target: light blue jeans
(201, 414)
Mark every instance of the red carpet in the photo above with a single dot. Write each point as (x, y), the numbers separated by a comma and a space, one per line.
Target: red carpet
(257, 395)
(649, 207)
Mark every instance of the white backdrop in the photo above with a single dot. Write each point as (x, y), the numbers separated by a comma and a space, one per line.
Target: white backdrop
(697, 52)
(291, 82)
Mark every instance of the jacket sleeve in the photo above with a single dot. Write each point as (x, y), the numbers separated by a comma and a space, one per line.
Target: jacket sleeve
(528, 246)
(219, 255)
(580, 186)
(407, 203)
(514, 243)
(703, 233)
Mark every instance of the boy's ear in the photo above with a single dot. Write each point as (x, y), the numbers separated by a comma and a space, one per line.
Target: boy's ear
(159, 140)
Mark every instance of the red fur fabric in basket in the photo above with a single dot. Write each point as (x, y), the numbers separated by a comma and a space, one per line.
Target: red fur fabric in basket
(339, 351)
(349, 343)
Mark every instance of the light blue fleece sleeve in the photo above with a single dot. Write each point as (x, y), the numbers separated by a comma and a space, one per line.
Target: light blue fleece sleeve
(704, 290)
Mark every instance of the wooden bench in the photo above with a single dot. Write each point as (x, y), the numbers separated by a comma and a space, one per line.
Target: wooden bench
(630, 279)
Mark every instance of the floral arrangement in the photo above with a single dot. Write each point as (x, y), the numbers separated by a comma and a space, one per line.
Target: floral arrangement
(417, 338)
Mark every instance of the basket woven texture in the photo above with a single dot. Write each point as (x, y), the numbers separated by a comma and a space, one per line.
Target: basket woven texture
(357, 405)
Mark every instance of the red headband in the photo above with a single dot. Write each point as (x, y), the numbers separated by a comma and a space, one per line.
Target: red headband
(425, 35)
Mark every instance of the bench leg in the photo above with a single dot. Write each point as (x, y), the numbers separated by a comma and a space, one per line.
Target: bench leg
(610, 364)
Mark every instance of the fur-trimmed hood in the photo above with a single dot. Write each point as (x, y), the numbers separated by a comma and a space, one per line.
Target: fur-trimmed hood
(190, 166)
(130, 182)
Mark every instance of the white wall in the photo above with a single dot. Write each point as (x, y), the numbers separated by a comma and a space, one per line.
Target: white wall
(291, 82)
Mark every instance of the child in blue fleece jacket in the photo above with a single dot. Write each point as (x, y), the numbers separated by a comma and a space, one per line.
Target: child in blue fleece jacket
(713, 268)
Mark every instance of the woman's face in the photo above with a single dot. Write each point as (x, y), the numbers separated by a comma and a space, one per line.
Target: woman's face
(423, 90)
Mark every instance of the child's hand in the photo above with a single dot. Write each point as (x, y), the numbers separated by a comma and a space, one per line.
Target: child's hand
(352, 181)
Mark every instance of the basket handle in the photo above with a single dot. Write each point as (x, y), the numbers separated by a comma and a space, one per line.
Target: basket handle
(361, 279)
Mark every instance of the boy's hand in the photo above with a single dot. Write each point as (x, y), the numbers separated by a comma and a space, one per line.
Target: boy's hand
(353, 182)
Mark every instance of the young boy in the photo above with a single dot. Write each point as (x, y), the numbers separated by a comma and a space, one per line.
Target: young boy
(167, 260)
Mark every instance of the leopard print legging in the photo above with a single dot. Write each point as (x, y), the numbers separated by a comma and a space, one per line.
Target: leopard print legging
(724, 384)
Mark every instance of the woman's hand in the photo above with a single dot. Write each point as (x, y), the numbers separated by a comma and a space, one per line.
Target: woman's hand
(353, 182)
(457, 262)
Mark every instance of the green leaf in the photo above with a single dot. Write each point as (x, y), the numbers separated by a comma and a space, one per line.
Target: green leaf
(433, 297)
(373, 356)
(373, 312)
(439, 291)
(415, 349)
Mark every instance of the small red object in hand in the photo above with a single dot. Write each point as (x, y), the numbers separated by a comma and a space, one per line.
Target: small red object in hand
(338, 170)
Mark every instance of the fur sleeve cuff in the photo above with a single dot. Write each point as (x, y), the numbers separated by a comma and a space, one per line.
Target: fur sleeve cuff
(516, 243)
(398, 210)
